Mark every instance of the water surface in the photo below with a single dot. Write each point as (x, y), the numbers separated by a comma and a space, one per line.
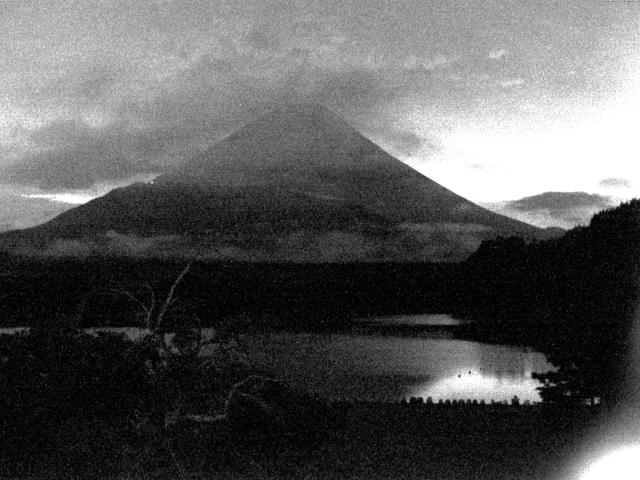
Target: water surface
(391, 368)
(427, 319)
(375, 367)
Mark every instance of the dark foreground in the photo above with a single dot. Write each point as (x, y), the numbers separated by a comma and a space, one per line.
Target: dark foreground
(368, 441)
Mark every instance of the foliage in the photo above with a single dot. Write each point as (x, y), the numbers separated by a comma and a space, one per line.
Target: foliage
(573, 298)
(93, 400)
(53, 377)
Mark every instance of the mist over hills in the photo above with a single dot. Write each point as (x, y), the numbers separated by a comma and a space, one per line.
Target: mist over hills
(555, 209)
(20, 212)
(297, 184)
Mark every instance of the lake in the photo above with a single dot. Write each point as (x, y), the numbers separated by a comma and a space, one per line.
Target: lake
(427, 319)
(375, 367)
(340, 366)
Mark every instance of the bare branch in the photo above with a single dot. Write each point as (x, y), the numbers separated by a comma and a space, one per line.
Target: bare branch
(169, 300)
(152, 304)
(131, 297)
(81, 307)
(173, 302)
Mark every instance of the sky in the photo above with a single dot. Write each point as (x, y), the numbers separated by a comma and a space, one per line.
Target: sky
(494, 99)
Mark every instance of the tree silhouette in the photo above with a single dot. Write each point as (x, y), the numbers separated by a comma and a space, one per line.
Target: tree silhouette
(573, 298)
(591, 344)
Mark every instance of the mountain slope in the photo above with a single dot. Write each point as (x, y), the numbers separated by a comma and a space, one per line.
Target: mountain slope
(297, 184)
(309, 149)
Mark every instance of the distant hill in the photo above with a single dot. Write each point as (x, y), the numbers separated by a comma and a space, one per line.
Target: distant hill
(297, 184)
(554, 209)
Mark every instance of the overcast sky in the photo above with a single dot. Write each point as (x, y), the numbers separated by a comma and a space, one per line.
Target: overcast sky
(494, 99)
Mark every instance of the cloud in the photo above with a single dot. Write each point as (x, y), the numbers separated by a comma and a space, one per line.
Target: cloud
(359, 88)
(406, 143)
(116, 120)
(511, 82)
(561, 201)
(497, 54)
(263, 40)
(110, 243)
(439, 61)
(20, 212)
(69, 248)
(69, 198)
(86, 83)
(614, 182)
(559, 209)
(132, 245)
(73, 155)
(180, 75)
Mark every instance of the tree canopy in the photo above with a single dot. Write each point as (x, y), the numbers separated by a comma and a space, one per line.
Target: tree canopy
(573, 298)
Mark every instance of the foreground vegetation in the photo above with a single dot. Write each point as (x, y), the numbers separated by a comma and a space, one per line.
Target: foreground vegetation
(74, 403)
(101, 406)
(77, 404)
(573, 298)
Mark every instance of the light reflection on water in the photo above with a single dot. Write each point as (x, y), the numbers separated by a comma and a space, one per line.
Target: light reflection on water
(477, 386)
(495, 372)
(374, 367)
(343, 366)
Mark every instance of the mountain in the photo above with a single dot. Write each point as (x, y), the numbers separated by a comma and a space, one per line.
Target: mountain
(299, 184)
(555, 209)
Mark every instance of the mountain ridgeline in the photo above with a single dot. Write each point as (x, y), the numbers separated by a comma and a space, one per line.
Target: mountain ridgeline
(298, 184)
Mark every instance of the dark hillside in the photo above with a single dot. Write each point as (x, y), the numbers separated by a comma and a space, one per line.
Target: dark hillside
(291, 295)
(574, 297)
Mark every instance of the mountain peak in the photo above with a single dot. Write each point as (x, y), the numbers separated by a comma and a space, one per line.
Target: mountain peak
(288, 144)
(291, 119)
(297, 183)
